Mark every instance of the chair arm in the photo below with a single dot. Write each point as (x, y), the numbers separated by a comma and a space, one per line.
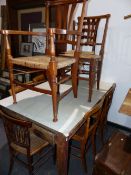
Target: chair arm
(18, 32)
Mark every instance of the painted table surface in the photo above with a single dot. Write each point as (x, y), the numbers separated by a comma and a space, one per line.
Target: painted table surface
(38, 107)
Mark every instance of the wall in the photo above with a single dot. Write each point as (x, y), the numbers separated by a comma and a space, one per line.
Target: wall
(117, 60)
(2, 2)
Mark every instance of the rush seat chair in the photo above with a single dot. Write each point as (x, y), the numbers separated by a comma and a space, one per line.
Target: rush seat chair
(49, 63)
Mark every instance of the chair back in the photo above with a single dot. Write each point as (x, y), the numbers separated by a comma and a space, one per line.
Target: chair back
(95, 112)
(107, 103)
(68, 14)
(91, 25)
(17, 131)
(65, 13)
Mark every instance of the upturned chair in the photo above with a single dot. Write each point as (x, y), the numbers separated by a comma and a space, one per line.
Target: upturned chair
(49, 63)
(23, 142)
(92, 49)
(87, 131)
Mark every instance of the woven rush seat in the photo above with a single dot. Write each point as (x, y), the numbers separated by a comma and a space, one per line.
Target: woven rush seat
(36, 145)
(83, 54)
(42, 62)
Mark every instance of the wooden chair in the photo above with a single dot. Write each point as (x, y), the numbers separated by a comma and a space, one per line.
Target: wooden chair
(23, 142)
(105, 110)
(49, 63)
(87, 131)
(115, 156)
(92, 51)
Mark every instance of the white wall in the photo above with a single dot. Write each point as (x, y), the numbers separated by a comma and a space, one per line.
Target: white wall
(117, 59)
(2, 2)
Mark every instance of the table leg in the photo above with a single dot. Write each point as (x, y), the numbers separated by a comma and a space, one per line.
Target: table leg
(62, 154)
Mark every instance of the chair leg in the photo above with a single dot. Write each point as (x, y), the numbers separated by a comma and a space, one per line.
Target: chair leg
(99, 74)
(12, 81)
(30, 167)
(83, 158)
(74, 75)
(101, 130)
(52, 75)
(91, 79)
(93, 145)
(11, 164)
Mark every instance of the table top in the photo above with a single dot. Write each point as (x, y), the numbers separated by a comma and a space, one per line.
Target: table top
(126, 105)
(38, 107)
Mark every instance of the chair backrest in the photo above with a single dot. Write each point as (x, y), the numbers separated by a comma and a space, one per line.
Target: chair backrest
(17, 131)
(91, 25)
(107, 103)
(66, 10)
(95, 112)
(70, 6)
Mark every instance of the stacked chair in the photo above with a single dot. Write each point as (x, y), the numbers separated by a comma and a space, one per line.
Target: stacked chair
(92, 49)
(49, 64)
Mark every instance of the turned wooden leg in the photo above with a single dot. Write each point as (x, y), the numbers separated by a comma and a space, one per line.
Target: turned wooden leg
(11, 75)
(52, 76)
(74, 75)
(91, 79)
(99, 74)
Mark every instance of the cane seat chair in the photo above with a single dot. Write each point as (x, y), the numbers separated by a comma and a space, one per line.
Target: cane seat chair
(86, 132)
(24, 143)
(49, 63)
(92, 49)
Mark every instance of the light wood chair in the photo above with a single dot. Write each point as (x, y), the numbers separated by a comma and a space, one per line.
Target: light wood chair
(92, 49)
(23, 142)
(87, 131)
(49, 63)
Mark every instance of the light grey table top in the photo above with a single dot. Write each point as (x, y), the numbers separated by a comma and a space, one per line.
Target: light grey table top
(38, 107)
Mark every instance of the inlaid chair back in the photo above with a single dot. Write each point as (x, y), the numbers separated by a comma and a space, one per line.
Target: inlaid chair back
(105, 110)
(17, 131)
(87, 131)
(23, 141)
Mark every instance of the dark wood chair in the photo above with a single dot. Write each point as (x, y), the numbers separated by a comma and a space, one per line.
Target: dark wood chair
(87, 131)
(49, 63)
(92, 49)
(23, 141)
(115, 156)
(105, 110)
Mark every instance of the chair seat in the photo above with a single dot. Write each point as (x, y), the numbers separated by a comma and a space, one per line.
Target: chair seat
(37, 144)
(42, 62)
(83, 54)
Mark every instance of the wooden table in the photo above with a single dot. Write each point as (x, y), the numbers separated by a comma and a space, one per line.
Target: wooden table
(126, 105)
(37, 108)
